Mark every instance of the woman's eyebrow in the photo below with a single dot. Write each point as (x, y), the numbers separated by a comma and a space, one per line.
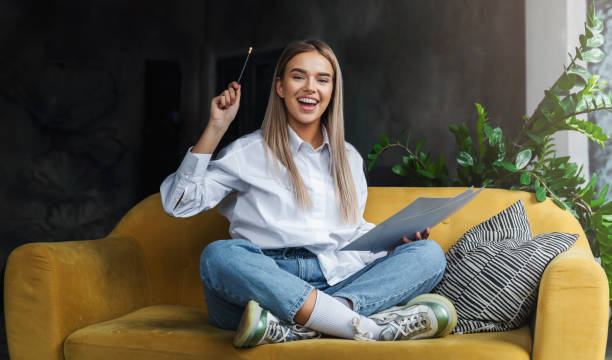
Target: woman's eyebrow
(304, 72)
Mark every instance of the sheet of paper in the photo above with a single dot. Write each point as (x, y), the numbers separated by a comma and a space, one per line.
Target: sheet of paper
(418, 215)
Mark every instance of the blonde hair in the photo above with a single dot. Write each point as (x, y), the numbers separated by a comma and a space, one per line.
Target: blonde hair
(276, 135)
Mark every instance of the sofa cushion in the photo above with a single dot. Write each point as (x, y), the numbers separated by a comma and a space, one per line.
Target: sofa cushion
(494, 269)
(181, 332)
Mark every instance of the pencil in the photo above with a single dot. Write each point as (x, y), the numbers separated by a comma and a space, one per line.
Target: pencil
(244, 65)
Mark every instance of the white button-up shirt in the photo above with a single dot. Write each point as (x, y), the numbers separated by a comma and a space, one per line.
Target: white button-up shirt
(257, 198)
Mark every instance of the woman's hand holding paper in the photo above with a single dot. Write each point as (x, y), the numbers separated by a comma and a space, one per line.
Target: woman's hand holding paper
(417, 236)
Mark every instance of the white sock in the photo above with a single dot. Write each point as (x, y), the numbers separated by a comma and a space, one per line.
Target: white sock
(331, 317)
(344, 301)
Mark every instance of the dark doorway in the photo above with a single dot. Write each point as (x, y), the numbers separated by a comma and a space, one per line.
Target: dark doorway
(256, 82)
(162, 123)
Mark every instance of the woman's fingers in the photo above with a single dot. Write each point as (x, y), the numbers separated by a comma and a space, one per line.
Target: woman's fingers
(232, 94)
(426, 233)
(229, 96)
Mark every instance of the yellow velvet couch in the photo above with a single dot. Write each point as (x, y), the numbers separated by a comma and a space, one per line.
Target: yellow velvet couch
(136, 294)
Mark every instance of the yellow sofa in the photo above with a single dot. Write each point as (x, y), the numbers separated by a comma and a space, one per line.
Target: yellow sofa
(136, 294)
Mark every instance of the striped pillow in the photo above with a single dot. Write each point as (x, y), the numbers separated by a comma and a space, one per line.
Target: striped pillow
(493, 271)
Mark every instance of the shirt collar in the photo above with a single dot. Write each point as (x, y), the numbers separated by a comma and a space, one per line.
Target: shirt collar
(295, 141)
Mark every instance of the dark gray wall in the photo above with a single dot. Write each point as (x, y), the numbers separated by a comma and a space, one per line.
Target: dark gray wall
(415, 65)
(74, 70)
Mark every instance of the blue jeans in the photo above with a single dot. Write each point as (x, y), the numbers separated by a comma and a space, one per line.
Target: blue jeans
(236, 271)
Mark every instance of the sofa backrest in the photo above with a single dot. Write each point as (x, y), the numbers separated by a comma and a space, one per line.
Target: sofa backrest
(172, 246)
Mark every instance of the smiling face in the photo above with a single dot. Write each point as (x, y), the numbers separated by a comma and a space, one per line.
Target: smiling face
(306, 87)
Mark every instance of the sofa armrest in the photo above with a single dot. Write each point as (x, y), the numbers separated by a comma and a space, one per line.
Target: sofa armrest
(572, 312)
(53, 289)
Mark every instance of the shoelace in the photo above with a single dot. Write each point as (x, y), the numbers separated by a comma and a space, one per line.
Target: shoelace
(414, 324)
(359, 333)
(278, 332)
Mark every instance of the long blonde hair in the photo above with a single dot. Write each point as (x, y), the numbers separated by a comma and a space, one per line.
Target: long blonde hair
(276, 135)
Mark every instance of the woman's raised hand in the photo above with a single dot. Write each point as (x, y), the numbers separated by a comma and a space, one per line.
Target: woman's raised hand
(223, 108)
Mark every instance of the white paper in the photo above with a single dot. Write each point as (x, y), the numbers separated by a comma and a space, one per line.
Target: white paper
(424, 212)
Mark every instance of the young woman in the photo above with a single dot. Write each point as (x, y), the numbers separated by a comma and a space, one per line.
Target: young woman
(294, 193)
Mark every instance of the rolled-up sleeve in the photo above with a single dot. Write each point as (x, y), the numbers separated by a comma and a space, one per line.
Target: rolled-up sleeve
(200, 184)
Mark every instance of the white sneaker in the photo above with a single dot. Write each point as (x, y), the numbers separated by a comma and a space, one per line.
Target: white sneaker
(258, 326)
(425, 316)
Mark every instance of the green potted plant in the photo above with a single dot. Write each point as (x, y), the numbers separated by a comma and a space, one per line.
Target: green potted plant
(528, 161)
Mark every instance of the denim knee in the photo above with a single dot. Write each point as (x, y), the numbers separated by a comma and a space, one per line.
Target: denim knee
(432, 252)
(215, 256)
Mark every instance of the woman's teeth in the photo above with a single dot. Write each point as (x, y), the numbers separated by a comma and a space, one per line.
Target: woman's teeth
(307, 100)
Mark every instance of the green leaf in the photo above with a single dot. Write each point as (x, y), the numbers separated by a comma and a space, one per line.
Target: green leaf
(594, 55)
(590, 185)
(581, 71)
(506, 165)
(371, 165)
(560, 204)
(525, 178)
(426, 174)
(594, 25)
(419, 146)
(523, 158)
(385, 139)
(377, 148)
(540, 191)
(601, 197)
(596, 41)
(465, 159)
(604, 191)
(535, 138)
(581, 105)
(566, 81)
(501, 148)
(488, 130)
(399, 170)
(372, 156)
(482, 119)
(591, 130)
(494, 135)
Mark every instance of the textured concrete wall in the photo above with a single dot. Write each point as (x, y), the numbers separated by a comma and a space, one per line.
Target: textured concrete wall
(81, 63)
(600, 158)
(56, 58)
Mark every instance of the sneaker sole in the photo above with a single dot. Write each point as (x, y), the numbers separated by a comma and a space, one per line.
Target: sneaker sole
(445, 303)
(248, 324)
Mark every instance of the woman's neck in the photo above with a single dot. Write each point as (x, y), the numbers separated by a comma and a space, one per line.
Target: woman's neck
(311, 133)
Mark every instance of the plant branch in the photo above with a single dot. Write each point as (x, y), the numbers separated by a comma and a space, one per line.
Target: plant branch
(557, 121)
(406, 149)
(533, 116)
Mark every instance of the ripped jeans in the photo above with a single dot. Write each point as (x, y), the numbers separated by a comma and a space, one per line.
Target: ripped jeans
(236, 271)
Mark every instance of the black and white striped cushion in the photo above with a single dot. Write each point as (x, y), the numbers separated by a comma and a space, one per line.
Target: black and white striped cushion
(493, 271)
